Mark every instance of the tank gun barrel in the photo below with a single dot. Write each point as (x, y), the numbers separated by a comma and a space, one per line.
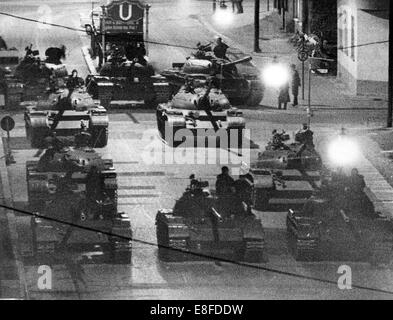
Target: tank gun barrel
(233, 63)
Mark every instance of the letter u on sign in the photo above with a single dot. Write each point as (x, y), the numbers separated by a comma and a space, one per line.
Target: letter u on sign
(121, 11)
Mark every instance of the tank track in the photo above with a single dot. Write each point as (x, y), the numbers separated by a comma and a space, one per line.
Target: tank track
(302, 250)
(254, 251)
(164, 245)
(382, 253)
(256, 94)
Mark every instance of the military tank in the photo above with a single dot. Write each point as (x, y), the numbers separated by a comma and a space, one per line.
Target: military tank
(124, 83)
(337, 224)
(197, 114)
(32, 76)
(209, 227)
(286, 173)
(240, 82)
(64, 111)
(300, 154)
(78, 187)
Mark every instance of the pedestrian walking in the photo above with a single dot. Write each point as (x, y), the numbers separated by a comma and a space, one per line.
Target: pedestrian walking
(296, 83)
(283, 96)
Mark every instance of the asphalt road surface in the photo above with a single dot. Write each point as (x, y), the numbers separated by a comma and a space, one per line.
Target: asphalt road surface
(144, 187)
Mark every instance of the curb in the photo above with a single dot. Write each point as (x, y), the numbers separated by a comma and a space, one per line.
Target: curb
(88, 60)
(12, 224)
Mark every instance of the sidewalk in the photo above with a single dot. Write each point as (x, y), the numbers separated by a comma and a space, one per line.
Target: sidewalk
(12, 281)
(326, 91)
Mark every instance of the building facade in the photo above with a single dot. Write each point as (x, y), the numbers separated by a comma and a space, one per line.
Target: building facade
(309, 16)
(363, 33)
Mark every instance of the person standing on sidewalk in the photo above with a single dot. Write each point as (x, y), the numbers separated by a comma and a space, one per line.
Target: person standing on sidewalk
(283, 96)
(233, 5)
(239, 4)
(296, 83)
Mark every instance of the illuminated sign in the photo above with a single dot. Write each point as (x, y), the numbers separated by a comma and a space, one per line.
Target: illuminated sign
(124, 16)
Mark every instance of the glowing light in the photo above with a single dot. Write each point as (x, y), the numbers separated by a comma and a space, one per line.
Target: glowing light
(223, 16)
(275, 75)
(343, 152)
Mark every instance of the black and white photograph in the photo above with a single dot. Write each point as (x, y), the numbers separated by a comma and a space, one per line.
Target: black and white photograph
(204, 152)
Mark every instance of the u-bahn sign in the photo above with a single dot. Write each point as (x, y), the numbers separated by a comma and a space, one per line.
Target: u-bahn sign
(124, 16)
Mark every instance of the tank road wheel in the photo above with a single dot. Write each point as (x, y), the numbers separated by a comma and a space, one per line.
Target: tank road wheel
(256, 94)
(37, 137)
(299, 253)
(381, 253)
(162, 92)
(119, 256)
(262, 197)
(164, 253)
(99, 136)
(253, 251)
(37, 130)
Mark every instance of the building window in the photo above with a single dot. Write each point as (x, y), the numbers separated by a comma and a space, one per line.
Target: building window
(352, 49)
(345, 31)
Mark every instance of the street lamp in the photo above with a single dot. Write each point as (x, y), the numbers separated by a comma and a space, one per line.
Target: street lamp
(309, 110)
(256, 26)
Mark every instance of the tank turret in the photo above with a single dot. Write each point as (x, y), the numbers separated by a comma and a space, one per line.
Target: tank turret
(31, 77)
(128, 78)
(212, 66)
(65, 111)
(239, 80)
(300, 154)
(202, 110)
(32, 68)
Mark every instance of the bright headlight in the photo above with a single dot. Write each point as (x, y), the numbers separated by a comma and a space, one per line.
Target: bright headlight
(275, 75)
(343, 151)
(223, 16)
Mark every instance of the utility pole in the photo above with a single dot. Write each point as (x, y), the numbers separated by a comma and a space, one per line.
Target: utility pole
(390, 80)
(147, 28)
(256, 27)
(214, 6)
(103, 34)
(309, 111)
